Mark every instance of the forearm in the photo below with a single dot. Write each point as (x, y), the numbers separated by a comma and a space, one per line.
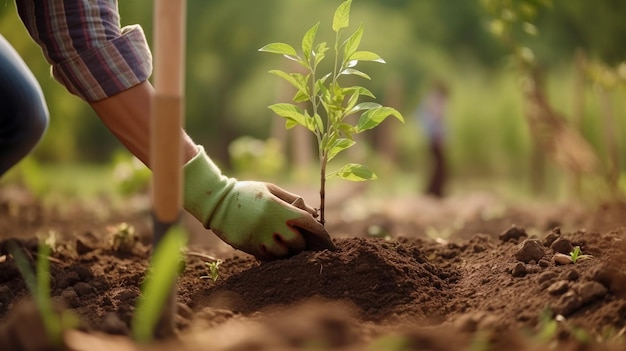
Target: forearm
(127, 115)
(104, 64)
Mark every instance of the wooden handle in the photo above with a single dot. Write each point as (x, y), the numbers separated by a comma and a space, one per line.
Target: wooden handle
(166, 152)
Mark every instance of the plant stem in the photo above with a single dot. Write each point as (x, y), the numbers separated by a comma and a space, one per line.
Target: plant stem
(330, 126)
(324, 160)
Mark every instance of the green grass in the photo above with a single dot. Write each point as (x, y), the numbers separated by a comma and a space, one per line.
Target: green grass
(158, 284)
(80, 180)
(63, 185)
(39, 286)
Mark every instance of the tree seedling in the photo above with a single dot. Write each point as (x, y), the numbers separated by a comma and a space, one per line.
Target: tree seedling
(576, 255)
(213, 268)
(328, 102)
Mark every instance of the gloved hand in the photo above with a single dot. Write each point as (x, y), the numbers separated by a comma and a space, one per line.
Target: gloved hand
(255, 217)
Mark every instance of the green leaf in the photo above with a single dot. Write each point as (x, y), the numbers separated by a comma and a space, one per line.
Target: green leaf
(362, 91)
(320, 53)
(39, 286)
(341, 19)
(279, 48)
(301, 96)
(338, 146)
(290, 123)
(308, 40)
(319, 88)
(310, 121)
(353, 42)
(291, 113)
(354, 98)
(372, 118)
(355, 172)
(295, 79)
(318, 122)
(158, 284)
(347, 129)
(324, 142)
(366, 56)
(364, 106)
(355, 72)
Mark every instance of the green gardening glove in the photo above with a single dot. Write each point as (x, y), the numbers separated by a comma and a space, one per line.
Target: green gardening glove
(255, 217)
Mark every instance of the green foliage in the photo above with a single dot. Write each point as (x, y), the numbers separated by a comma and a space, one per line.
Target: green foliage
(228, 86)
(547, 327)
(511, 20)
(39, 286)
(213, 268)
(252, 156)
(29, 174)
(481, 341)
(577, 255)
(607, 77)
(390, 343)
(550, 325)
(129, 174)
(122, 238)
(161, 276)
(329, 103)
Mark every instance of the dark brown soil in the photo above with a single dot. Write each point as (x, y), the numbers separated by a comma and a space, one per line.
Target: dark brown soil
(491, 285)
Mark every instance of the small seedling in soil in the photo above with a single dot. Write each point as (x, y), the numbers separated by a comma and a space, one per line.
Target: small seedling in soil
(329, 104)
(213, 268)
(578, 333)
(547, 327)
(161, 276)
(52, 240)
(123, 238)
(38, 284)
(576, 255)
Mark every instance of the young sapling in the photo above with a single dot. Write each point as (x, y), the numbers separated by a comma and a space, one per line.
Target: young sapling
(577, 255)
(328, 102)
(213, 268)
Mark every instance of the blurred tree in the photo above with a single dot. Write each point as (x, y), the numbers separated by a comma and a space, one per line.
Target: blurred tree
(228, 87)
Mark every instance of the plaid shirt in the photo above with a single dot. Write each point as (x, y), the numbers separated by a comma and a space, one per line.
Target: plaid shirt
(90, 54)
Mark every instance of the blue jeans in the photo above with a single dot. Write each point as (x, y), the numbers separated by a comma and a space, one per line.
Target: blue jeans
(23, 111)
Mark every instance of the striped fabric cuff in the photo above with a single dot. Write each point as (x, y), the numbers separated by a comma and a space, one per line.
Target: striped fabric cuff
(109, 69)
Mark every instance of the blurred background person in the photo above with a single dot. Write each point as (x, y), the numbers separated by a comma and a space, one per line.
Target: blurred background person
(431, 117)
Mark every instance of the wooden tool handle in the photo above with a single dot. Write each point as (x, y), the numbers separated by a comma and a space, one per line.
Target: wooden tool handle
(166, 151)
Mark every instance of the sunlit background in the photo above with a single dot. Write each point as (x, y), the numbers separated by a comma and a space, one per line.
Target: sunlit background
(489, 143)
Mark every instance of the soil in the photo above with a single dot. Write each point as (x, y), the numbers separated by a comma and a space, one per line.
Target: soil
(491, 282)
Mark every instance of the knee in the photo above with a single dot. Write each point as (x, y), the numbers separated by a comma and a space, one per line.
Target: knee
(24, 114)
(38, 117)
(30, 117)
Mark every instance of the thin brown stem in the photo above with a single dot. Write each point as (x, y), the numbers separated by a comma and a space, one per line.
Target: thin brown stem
(324, 160)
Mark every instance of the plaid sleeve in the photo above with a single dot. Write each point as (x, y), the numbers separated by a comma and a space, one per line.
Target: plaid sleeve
(90, 54)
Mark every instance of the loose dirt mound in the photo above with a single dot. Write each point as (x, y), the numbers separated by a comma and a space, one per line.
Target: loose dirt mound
(382, 279)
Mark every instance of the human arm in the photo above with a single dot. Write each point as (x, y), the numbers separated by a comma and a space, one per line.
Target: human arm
(108, 67)
(258, 218)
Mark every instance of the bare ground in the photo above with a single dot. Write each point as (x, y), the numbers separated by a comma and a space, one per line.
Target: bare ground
(492, 283)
